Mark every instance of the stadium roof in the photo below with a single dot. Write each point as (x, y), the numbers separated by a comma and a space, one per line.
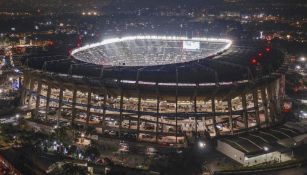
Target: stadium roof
(254, 143)
(150, 50)
(230, 70)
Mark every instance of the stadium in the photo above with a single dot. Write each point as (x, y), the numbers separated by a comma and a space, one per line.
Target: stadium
(159, 88)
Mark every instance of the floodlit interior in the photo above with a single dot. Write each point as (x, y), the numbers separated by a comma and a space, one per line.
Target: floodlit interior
(150, 50)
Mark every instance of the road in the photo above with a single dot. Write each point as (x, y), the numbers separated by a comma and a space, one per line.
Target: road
(291, 171)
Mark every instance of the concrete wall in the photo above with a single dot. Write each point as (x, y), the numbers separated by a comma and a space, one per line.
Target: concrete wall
(240, 157)
(269, 157)
(230, 151)
(39, 127)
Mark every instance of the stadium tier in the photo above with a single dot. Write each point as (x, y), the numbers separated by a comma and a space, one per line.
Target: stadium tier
(160, 89)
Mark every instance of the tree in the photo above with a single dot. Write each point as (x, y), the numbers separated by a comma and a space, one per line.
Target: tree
(62, 134)
(92, 151)
(69, 168)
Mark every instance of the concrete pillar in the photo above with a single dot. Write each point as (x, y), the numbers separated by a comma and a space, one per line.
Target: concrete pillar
(129, 124)
(256, 106)
(60, 103)
(38, 93)
(204, 118)
(277, 96)
(48, 101)
(74, 101)
(195, 112)
(121, 112)
(176, 109)
(265, 105)
(214, 116)
(157, 113)
(60, 99)
(104, 109)
(139, 114)
(30, 93)
(229, 102)
(271, 103)
(275, 100)
(25, 87)
(88, 108)
(176, 114)
(244, 112)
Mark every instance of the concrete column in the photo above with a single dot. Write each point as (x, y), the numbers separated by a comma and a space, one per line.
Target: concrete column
(88, 108)
(25, 87)
(176, 113)
(176, 108)
(276, 104)
(265, 105)
(139, 114)
(229, 102)
(48, 101)
(60, 103)
(204, 118)
(271, 103)
(121, 112)
(277, 96)
(30, 93)
(74, 101)
(244, 112)
(60, 99)
(214, 117)
(157, 117)
(256, 106)
(38, 93)
(104, 110)
(195, 112)
(129, 124)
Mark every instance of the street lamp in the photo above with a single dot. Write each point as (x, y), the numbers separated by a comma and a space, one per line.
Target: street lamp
(201, 144)
(302, 59)
(82, 137)
(292, 153)
(266, 149)
(17, 116)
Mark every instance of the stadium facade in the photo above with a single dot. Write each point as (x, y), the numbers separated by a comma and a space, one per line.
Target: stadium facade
(160, 88)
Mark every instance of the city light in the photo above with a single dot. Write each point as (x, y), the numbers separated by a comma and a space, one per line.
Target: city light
(254, 61)
(260, 54)
(265, 148)
(302, 59)
(288, 36)
(201, 144)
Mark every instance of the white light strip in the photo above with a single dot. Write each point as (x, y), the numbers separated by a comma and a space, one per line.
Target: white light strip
(207, 84)
(182, 84)
(153, 37)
